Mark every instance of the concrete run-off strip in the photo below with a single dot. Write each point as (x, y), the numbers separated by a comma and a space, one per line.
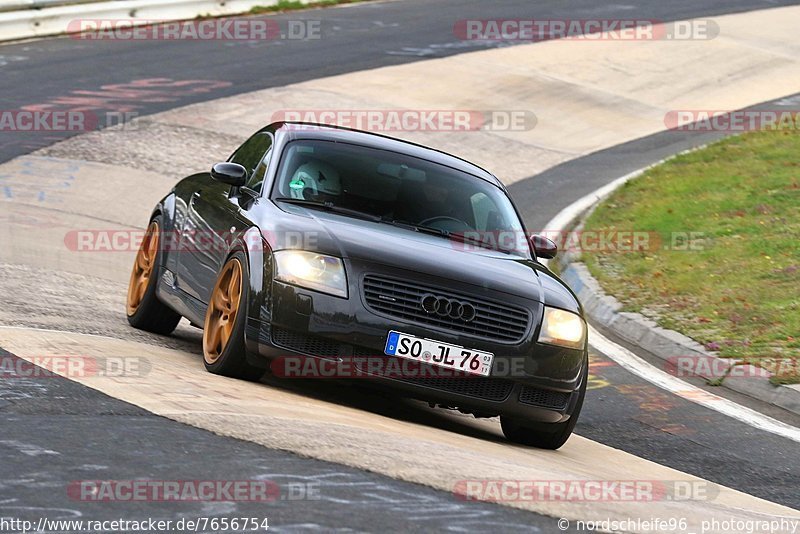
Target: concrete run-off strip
(585, 95)
(178, 387)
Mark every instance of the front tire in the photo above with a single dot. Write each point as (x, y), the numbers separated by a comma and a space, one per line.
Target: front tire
(545, 435)
(143, 308)
(223, 334)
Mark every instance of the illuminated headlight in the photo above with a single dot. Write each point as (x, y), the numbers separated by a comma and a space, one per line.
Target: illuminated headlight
(562, 328)
(314, 271)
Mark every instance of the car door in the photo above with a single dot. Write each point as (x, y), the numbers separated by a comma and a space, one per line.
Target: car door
(215, 213)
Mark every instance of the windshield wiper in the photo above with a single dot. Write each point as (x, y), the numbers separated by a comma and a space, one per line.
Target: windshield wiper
(463, 238)
(330, 206)
(469, 239)
(415, 227)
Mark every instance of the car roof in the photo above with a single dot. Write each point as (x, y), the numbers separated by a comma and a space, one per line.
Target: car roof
(306, 130)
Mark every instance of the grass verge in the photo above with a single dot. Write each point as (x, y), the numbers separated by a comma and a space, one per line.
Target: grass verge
(722, 261)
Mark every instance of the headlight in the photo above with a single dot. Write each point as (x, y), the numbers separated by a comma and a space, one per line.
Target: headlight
(314, 271)
(562, 328)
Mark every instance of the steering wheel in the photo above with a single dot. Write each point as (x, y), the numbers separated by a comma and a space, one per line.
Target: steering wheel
(429, 220)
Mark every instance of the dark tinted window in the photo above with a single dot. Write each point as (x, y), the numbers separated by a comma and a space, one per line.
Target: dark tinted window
(395, 187)
(251, 156)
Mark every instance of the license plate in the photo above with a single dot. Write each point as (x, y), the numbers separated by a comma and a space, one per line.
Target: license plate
(454, 357)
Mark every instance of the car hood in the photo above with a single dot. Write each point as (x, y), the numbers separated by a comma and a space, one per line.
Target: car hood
(368, 242)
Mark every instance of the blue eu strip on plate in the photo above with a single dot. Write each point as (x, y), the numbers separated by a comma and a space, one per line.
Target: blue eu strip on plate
(391, 343)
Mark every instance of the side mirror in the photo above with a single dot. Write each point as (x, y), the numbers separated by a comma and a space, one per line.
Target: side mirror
(543, 247)
(229, 173)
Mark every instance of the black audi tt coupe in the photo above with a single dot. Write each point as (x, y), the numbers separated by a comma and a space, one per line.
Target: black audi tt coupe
(318, 249)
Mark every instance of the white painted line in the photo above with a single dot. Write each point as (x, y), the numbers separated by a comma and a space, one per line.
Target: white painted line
(675, 385)
(645, 370)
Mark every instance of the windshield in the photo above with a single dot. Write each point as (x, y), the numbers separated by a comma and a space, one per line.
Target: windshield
(400, 189)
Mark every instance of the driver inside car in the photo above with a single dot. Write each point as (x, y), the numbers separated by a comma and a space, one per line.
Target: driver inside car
(316, 180)
(435, 205)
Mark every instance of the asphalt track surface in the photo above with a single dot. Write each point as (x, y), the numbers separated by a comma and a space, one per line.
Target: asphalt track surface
(56, 431)
(52, 73)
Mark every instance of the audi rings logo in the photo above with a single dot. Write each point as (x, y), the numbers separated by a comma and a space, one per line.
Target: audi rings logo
(445, 307)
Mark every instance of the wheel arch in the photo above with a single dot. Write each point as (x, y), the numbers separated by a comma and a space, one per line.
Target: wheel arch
(259, 288)
(166, 210)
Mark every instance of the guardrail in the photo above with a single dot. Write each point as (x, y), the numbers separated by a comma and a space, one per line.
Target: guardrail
(19, 5)
(52, 17)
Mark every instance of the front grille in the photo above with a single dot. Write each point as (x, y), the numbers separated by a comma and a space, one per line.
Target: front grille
(402, 300)
(544, 398)
(305, 344)
(491, 389)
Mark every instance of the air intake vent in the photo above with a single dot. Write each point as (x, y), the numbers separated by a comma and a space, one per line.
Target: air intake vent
(305, 344)
(545, 398)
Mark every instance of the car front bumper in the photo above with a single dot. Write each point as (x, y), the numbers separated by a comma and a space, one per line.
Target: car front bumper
(528, 380)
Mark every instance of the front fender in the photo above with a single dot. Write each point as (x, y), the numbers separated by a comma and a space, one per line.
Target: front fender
(166, 208)
(260, 269)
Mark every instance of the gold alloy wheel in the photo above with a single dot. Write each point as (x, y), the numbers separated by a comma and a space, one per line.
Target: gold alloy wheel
(222, 310)
(143, 268)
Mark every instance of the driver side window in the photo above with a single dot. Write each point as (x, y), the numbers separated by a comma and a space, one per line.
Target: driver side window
(253, 155)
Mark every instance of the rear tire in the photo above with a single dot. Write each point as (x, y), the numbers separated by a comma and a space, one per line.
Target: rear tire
(223, 332)
(545, 435)
(144, 310)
